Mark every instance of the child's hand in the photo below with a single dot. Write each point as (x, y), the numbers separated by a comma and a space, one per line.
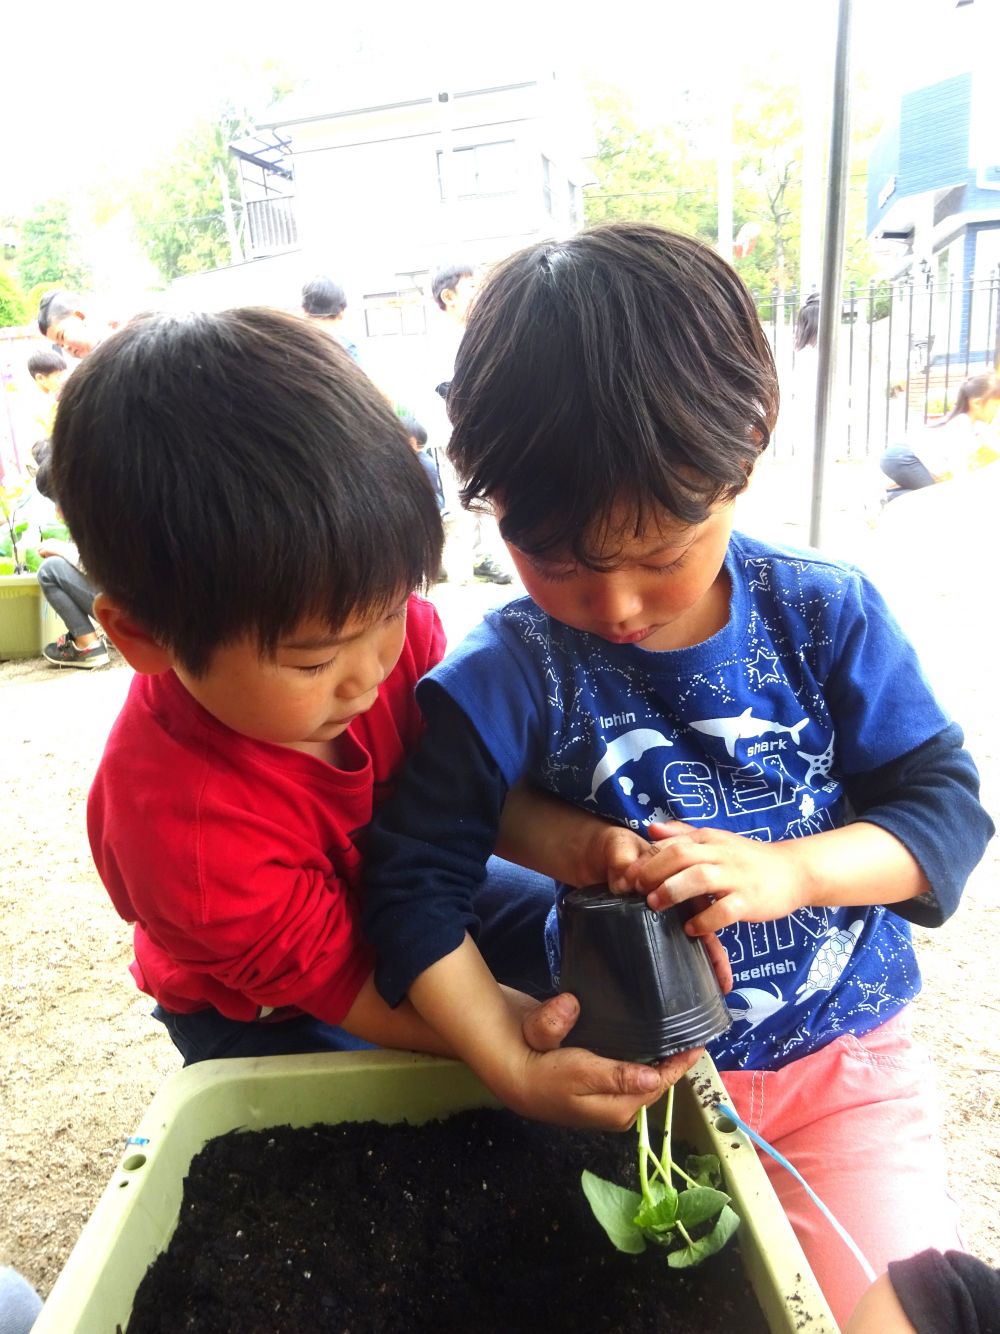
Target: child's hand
(627, 858)
(745, 880)
(573, 1087)
(616, 850)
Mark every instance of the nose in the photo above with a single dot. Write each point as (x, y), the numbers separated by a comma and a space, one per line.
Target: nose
(363, 674)
(612, 599)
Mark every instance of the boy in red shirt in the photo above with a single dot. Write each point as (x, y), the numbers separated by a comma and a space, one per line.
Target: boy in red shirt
(254, 515)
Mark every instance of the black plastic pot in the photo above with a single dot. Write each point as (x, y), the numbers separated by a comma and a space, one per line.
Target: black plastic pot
(646, 989)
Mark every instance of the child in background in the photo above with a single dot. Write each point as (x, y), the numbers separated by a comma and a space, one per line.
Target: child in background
(48, 370)
(417, 437)
(753, 715)
(961, 442)
(269, 522)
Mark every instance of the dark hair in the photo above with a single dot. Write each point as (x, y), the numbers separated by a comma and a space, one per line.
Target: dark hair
(46, 363)
(323, 298)
(413, 428)
(624, 367)
(447, 277)
(231, 474)
(976, 386)
(56, 306)
(807, 323)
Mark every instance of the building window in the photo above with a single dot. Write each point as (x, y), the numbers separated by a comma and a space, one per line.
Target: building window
(478, 171)
(548, 172)
(573, 204)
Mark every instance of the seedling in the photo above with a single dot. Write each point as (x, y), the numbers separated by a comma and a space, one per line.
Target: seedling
(680, 1220)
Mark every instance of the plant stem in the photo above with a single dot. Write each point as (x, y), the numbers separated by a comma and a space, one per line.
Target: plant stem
(644, 1151)
(684, 1232)
(667, 1122)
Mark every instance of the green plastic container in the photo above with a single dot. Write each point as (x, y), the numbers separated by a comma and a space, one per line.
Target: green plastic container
(27, 622)
(137, 1213)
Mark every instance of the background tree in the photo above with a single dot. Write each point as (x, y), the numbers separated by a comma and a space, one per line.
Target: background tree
(49, 250)
(187, 208)
(14, 308)
(667, 173)
(180, 205)
(650, 172)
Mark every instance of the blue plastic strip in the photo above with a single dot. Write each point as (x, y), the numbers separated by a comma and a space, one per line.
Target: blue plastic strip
(840, 1230)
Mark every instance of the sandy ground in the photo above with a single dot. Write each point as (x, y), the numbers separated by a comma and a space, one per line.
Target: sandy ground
(81, 1057)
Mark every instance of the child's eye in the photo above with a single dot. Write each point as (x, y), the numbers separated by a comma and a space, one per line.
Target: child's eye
(667, 569)
(317, 668)
(553, 573)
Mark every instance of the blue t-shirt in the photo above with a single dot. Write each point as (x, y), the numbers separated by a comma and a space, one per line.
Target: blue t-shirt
(759, 731)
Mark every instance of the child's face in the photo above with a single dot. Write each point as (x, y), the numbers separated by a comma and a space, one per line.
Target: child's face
(313, 688)
(52, 382)
(458, 299)
(667, 589)
(983, 409)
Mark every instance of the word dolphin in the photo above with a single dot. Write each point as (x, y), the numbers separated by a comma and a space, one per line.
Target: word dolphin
(630, 746)
(744, 727)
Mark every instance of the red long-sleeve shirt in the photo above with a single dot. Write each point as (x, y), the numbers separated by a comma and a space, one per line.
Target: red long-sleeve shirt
(239, 861)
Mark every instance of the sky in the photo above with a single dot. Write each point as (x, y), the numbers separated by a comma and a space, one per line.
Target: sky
(104, 89)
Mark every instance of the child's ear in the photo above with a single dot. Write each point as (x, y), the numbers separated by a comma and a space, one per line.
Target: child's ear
(139, 649)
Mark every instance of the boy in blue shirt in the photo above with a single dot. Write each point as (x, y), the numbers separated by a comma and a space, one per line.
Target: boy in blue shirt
(753, 716)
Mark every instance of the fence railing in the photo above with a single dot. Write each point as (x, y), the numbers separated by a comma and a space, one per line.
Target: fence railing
(903, 349)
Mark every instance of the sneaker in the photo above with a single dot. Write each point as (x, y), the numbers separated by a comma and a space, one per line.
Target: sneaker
(489, 570)
(64, 653)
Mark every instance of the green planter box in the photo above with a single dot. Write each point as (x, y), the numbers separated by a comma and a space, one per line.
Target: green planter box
(27, 622)
(137, 1213)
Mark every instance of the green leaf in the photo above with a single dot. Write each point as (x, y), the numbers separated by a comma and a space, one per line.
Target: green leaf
(729, 1221)
(698, 1204)
(615, 1209)
(658, 1213)
(704, 1168)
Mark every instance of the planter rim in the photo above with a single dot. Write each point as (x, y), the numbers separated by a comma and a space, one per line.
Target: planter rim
(137, 1213)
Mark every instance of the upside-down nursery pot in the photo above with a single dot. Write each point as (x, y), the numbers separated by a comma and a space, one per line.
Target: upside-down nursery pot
(646, 988)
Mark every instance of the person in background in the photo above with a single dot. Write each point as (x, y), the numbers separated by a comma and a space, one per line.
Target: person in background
(962, 441)
(64, 318)
(67, 590)
(19, 1302)
(48, 369)
(468, 537)
(417, 437)
(324, 301)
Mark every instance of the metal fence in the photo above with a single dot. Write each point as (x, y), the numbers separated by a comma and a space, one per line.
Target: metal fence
(904, 348)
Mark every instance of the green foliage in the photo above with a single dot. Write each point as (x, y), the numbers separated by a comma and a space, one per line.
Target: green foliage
(651, 173)
(11, 528)
(49, 252)
(14, 308)
(187, 207)
(179, 207)
(667, 173)
(679, 1220)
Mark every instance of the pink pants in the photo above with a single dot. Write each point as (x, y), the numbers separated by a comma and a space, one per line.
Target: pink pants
(857, 1120)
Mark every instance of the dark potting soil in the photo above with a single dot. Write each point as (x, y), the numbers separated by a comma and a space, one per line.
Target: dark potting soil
(475, 1223)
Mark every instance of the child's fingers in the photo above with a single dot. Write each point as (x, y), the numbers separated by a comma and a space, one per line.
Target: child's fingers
(622, 850)
(669, 829)
(719, 960)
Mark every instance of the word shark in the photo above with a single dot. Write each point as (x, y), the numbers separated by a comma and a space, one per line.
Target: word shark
(744, 727)
(631, 746)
